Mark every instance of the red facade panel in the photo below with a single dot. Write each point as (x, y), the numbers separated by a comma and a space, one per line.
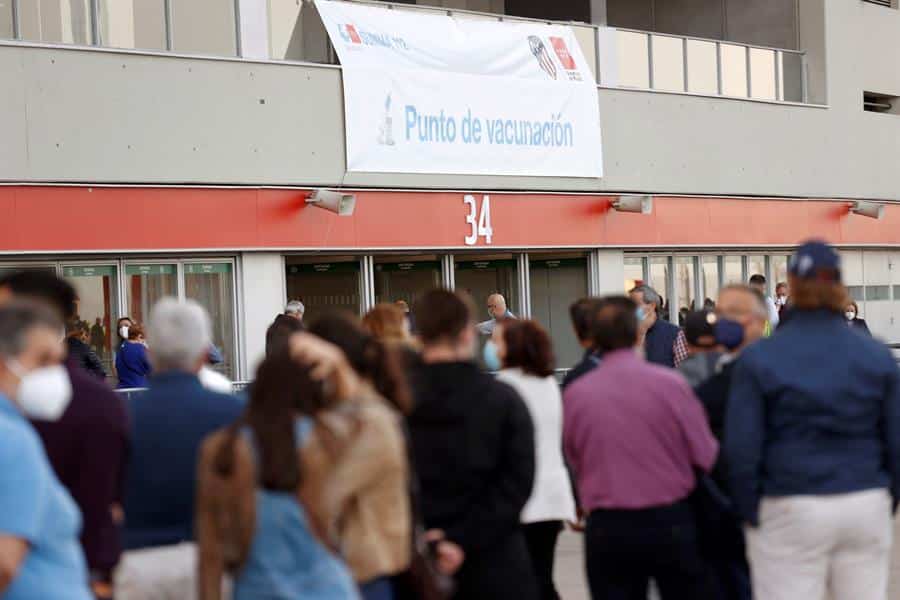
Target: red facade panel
(116, 219)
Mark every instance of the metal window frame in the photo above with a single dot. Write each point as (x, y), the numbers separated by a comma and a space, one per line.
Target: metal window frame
(523, 274)
(169, 17)
(16, 25)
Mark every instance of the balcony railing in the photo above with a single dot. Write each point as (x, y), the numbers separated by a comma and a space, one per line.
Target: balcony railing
(669, 63)
(619, 58)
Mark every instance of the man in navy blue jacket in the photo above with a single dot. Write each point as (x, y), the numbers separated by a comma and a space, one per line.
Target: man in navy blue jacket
(168, 423)
(812, 440)
(663, 343)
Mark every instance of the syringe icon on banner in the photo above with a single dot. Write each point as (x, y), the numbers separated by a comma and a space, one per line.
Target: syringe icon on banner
(386, 134)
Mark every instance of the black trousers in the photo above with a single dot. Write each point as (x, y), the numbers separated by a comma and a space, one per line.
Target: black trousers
(625, 548)
(541, 539)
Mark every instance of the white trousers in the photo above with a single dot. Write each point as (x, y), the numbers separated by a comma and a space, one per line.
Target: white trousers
(163, 573)
(808, 546)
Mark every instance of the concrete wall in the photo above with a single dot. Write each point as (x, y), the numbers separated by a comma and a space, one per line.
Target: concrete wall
(84, 116)
(263, 290)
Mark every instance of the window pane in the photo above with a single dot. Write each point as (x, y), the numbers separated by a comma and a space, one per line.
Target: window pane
(98, 307)
(204, 27)
(791, 76)
(734, 70)
(147, 284)
(10, 269)
(6, 20)
(633, 59)
(702, 67)
(762, 73)
(63, 21)
(734, 272)
(779, 269)
(212, 286)
(684, 270)
(330, 283)
(668, 63)
(878, 292)
(709, 268)
(856, 292)
(406, 279)
(659, 281)
(634, 273)
(756, 265)
(133, 24)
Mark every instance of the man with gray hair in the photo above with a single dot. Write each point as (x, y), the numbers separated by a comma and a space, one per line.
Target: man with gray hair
(168, 424)
(663, 343)
(295, 309)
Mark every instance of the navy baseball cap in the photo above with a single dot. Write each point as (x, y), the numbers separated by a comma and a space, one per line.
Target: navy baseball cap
(699, 328)
(815, 260)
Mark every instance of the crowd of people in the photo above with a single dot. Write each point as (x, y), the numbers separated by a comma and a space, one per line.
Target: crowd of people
(752, 453)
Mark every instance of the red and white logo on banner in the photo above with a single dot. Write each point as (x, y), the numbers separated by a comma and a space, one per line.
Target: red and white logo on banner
(562, 52)
(353, 34)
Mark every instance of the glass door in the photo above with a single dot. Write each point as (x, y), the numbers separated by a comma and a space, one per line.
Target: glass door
(405, 278)
(481, 277)
(555, 284)
(97, 312)
(211, 284)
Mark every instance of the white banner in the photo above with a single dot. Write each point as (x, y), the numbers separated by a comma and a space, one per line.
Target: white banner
(431, 93)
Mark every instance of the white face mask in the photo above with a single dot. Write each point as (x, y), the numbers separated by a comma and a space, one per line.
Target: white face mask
(850, 315)
(123, 332)
(44, 393)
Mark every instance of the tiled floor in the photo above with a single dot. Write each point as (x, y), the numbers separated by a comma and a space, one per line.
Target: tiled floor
(570, 580)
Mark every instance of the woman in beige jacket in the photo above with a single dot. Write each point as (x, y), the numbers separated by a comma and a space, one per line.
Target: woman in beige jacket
(353, 486)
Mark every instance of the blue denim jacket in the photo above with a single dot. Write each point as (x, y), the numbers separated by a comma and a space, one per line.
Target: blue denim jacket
(812, 410)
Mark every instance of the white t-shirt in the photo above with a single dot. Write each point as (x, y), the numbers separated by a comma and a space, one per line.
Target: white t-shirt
(214, 381)
(551, 497)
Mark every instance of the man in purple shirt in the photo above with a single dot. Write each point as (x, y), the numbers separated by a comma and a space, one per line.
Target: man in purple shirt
(634, 433)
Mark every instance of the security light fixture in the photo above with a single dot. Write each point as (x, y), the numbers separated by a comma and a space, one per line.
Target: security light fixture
(865, 208)
(634, 204)
(336, 202)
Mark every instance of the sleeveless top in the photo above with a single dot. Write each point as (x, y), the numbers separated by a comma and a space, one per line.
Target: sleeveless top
(286, 561)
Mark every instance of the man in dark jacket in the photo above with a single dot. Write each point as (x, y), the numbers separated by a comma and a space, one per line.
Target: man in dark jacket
(473, 448)
(663, 343)
(741, 317)
(169, 422)
(812, 442)
(582, 312)
(80, 353)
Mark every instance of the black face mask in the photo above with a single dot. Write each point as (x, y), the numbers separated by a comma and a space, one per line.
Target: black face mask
(729, 333)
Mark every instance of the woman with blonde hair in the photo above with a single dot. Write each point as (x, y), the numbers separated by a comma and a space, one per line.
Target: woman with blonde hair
(388, 323)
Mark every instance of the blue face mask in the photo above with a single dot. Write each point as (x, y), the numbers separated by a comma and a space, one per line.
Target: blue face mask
(729, 333)
(639, 313)
(490, 357)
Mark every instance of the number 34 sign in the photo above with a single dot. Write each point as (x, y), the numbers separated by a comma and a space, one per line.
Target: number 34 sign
(479, 221)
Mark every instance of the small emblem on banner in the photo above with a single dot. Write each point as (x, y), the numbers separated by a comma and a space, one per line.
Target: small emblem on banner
(543, 57)
(386, 131)
(350, 34)
(562, 52)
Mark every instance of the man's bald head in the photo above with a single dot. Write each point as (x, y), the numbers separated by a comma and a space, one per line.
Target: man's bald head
(747, 306)
(496, 305)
